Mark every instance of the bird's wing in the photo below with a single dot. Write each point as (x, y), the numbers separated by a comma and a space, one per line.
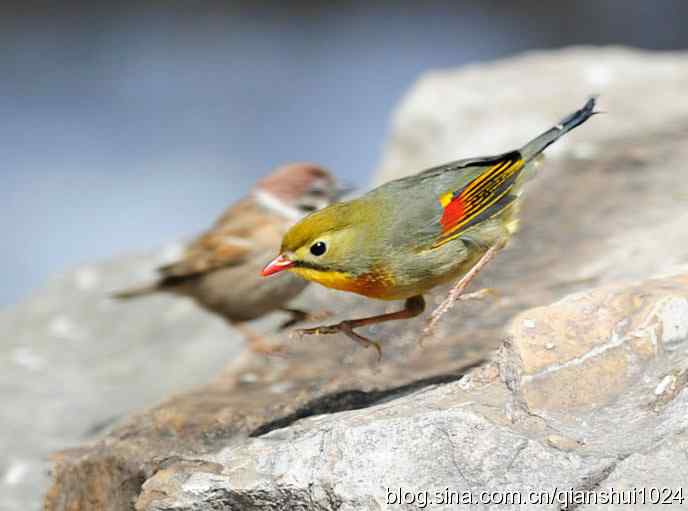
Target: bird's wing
(237, 234)
(482, 197)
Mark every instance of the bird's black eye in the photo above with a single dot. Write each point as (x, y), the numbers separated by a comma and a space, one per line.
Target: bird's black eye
(318, 248)
(317, 192)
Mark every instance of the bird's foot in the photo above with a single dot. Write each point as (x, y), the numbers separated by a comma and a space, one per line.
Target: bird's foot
(259, 344)
(260, 347)
(447, 304)
(347, 329)
(318, 330)
(487, 292)
(457, 292)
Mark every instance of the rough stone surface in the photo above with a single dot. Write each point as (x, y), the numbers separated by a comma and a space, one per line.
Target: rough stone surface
(610, 207)
(586, 349)
(661, 471)
(478, 434)
(73, 362)
(489, 108)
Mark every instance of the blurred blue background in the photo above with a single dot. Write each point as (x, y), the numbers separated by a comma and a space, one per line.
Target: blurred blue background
(127, 125)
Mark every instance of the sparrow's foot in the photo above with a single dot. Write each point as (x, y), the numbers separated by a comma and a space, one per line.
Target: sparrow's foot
(259, 344)
(263, 348)
(345, 327)
(299, 316)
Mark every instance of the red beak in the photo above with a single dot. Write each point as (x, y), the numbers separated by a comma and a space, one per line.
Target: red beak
(278, 264)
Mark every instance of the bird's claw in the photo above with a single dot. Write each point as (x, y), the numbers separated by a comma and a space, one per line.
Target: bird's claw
(344, 328)
(261, 348)
(318, 330)
(377, 347)
(296, 334)
(487, 292)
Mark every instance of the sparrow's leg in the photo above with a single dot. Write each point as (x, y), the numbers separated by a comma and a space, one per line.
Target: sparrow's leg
(256, 342)
(299, 316)
(456, 293)
(412, 308)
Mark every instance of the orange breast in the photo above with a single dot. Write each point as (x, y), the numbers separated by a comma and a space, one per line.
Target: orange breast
(374, 284)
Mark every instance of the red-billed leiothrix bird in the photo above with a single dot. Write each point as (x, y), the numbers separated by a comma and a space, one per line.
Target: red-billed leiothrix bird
(405, 237)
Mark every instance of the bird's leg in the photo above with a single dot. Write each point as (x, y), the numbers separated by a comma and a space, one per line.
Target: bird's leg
(299, 316)
(256, 342)
(412, 308)
(456, 293)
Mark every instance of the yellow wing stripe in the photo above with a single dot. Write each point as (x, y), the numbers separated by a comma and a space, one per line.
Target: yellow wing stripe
(478, 183)
(448, 197)
(479, 195)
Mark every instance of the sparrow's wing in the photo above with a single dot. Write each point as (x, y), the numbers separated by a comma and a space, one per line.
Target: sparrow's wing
(241, 230)
(486, 194)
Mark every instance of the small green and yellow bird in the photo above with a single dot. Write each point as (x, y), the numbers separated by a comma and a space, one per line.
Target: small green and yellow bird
(407, 236)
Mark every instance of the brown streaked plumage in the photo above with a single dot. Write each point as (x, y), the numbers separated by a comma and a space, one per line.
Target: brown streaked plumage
(220, 269)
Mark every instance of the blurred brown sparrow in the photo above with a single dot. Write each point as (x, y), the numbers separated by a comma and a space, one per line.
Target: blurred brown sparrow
(221, 269)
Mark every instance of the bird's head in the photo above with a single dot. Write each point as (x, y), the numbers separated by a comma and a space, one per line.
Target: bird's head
(323, 247)
(298, 189)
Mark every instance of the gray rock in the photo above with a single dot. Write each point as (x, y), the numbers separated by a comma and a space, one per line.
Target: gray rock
(404, 451)
(464, 438)
(489, 108)
(73, 362)
(610, 207)
(572, 419)
(648, 480)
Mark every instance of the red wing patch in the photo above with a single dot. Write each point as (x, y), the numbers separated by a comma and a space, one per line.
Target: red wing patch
(464, 208)
(455, 210)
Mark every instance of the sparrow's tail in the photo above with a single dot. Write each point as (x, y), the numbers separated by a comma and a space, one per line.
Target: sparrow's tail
(165, 283)
(136, 292)
(540, 143)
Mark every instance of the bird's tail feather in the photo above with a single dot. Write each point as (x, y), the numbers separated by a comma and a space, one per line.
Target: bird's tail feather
(540, 143)
(165, 283)
(136, 292)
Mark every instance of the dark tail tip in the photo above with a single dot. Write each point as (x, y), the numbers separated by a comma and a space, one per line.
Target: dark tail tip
(579, 116)
(541, 142)
(124, 295)
(134, 293)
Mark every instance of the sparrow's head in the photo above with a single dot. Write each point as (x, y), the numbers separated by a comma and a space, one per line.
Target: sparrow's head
(305, 187)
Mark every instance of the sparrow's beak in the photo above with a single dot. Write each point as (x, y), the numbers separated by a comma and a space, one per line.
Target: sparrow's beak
(278, 264)
(342, 190)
